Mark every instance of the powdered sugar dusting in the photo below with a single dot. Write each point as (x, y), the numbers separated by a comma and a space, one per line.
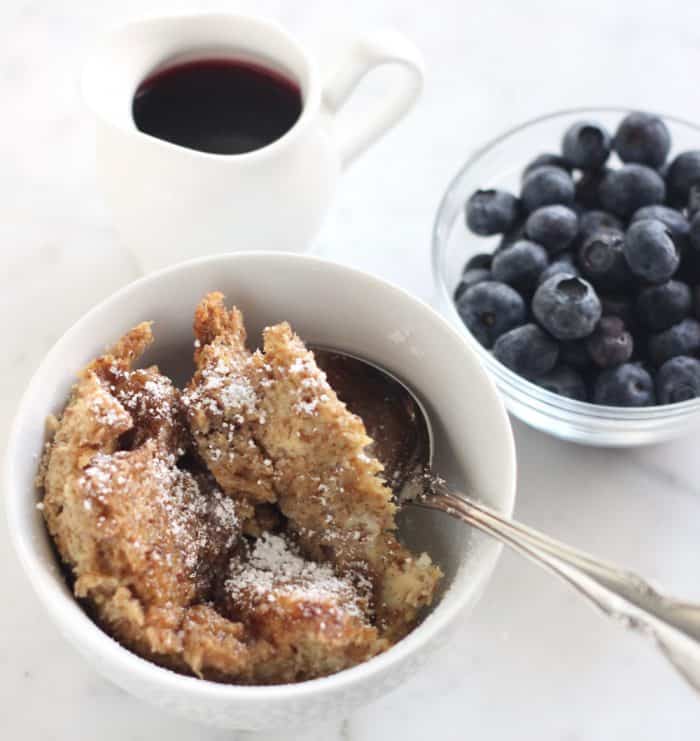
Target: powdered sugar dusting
(275, 568)
(312, 387)
(196, 521)
(306, 407)
(155, 398)
(238, 393)
(106, 412)
(223, 388)
(225, 518)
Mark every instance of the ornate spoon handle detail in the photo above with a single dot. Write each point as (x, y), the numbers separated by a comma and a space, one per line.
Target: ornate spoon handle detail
(620, 594)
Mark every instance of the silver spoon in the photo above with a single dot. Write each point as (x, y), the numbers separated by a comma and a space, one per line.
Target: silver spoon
(620, 594)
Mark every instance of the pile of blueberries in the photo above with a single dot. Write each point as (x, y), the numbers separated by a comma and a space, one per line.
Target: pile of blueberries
(594, 290)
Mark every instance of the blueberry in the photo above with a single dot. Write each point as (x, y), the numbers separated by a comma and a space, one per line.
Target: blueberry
(471, 278)
(527, 350)
(554, 227)
(489, 309)
(672, 219)
(696, 302)
(588, 188)
(650, 250)
(545, 186)
(586, 145)
(520, 265)
(575, 354)
(694, 232)
(564, 381)
(555, 160)
(660, 307)
(601, 259)
(678, 379)
(480, 260)
(642, 138)
(492, 212)
(641, 349)
(628, 385)
(618, 306)
(610, 344)
(693, 206)
(563, 264)
(593, 221)
(682, 338)
(689, 270)
(511, 236)
(627, 189)
(682, 173)
(567, 307)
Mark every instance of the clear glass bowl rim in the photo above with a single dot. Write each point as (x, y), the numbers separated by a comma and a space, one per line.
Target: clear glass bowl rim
(510, 382)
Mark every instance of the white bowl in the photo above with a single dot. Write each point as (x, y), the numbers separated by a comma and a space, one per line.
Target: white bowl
(330, 305)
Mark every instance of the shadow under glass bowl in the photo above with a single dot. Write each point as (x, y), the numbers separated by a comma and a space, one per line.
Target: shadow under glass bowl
(500, 163)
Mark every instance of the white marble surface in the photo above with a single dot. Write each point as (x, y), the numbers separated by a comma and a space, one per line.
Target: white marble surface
(532, 661)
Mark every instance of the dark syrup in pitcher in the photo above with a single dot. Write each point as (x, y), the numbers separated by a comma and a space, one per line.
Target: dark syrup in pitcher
(220, 106)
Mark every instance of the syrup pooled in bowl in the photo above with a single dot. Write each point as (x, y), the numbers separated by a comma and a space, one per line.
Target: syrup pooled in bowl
(219, 106)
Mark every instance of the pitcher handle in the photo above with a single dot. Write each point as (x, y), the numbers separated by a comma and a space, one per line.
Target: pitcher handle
(356, 133)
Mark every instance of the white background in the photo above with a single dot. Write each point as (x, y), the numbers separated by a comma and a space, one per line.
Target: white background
(532, 661)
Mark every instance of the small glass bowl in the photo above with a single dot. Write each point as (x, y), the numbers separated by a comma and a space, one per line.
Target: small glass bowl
(500, 164)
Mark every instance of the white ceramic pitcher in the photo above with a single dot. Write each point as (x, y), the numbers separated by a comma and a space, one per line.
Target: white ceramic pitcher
(171, 203)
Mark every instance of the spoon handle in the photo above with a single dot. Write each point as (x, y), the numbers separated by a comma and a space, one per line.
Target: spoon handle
(622, 595)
